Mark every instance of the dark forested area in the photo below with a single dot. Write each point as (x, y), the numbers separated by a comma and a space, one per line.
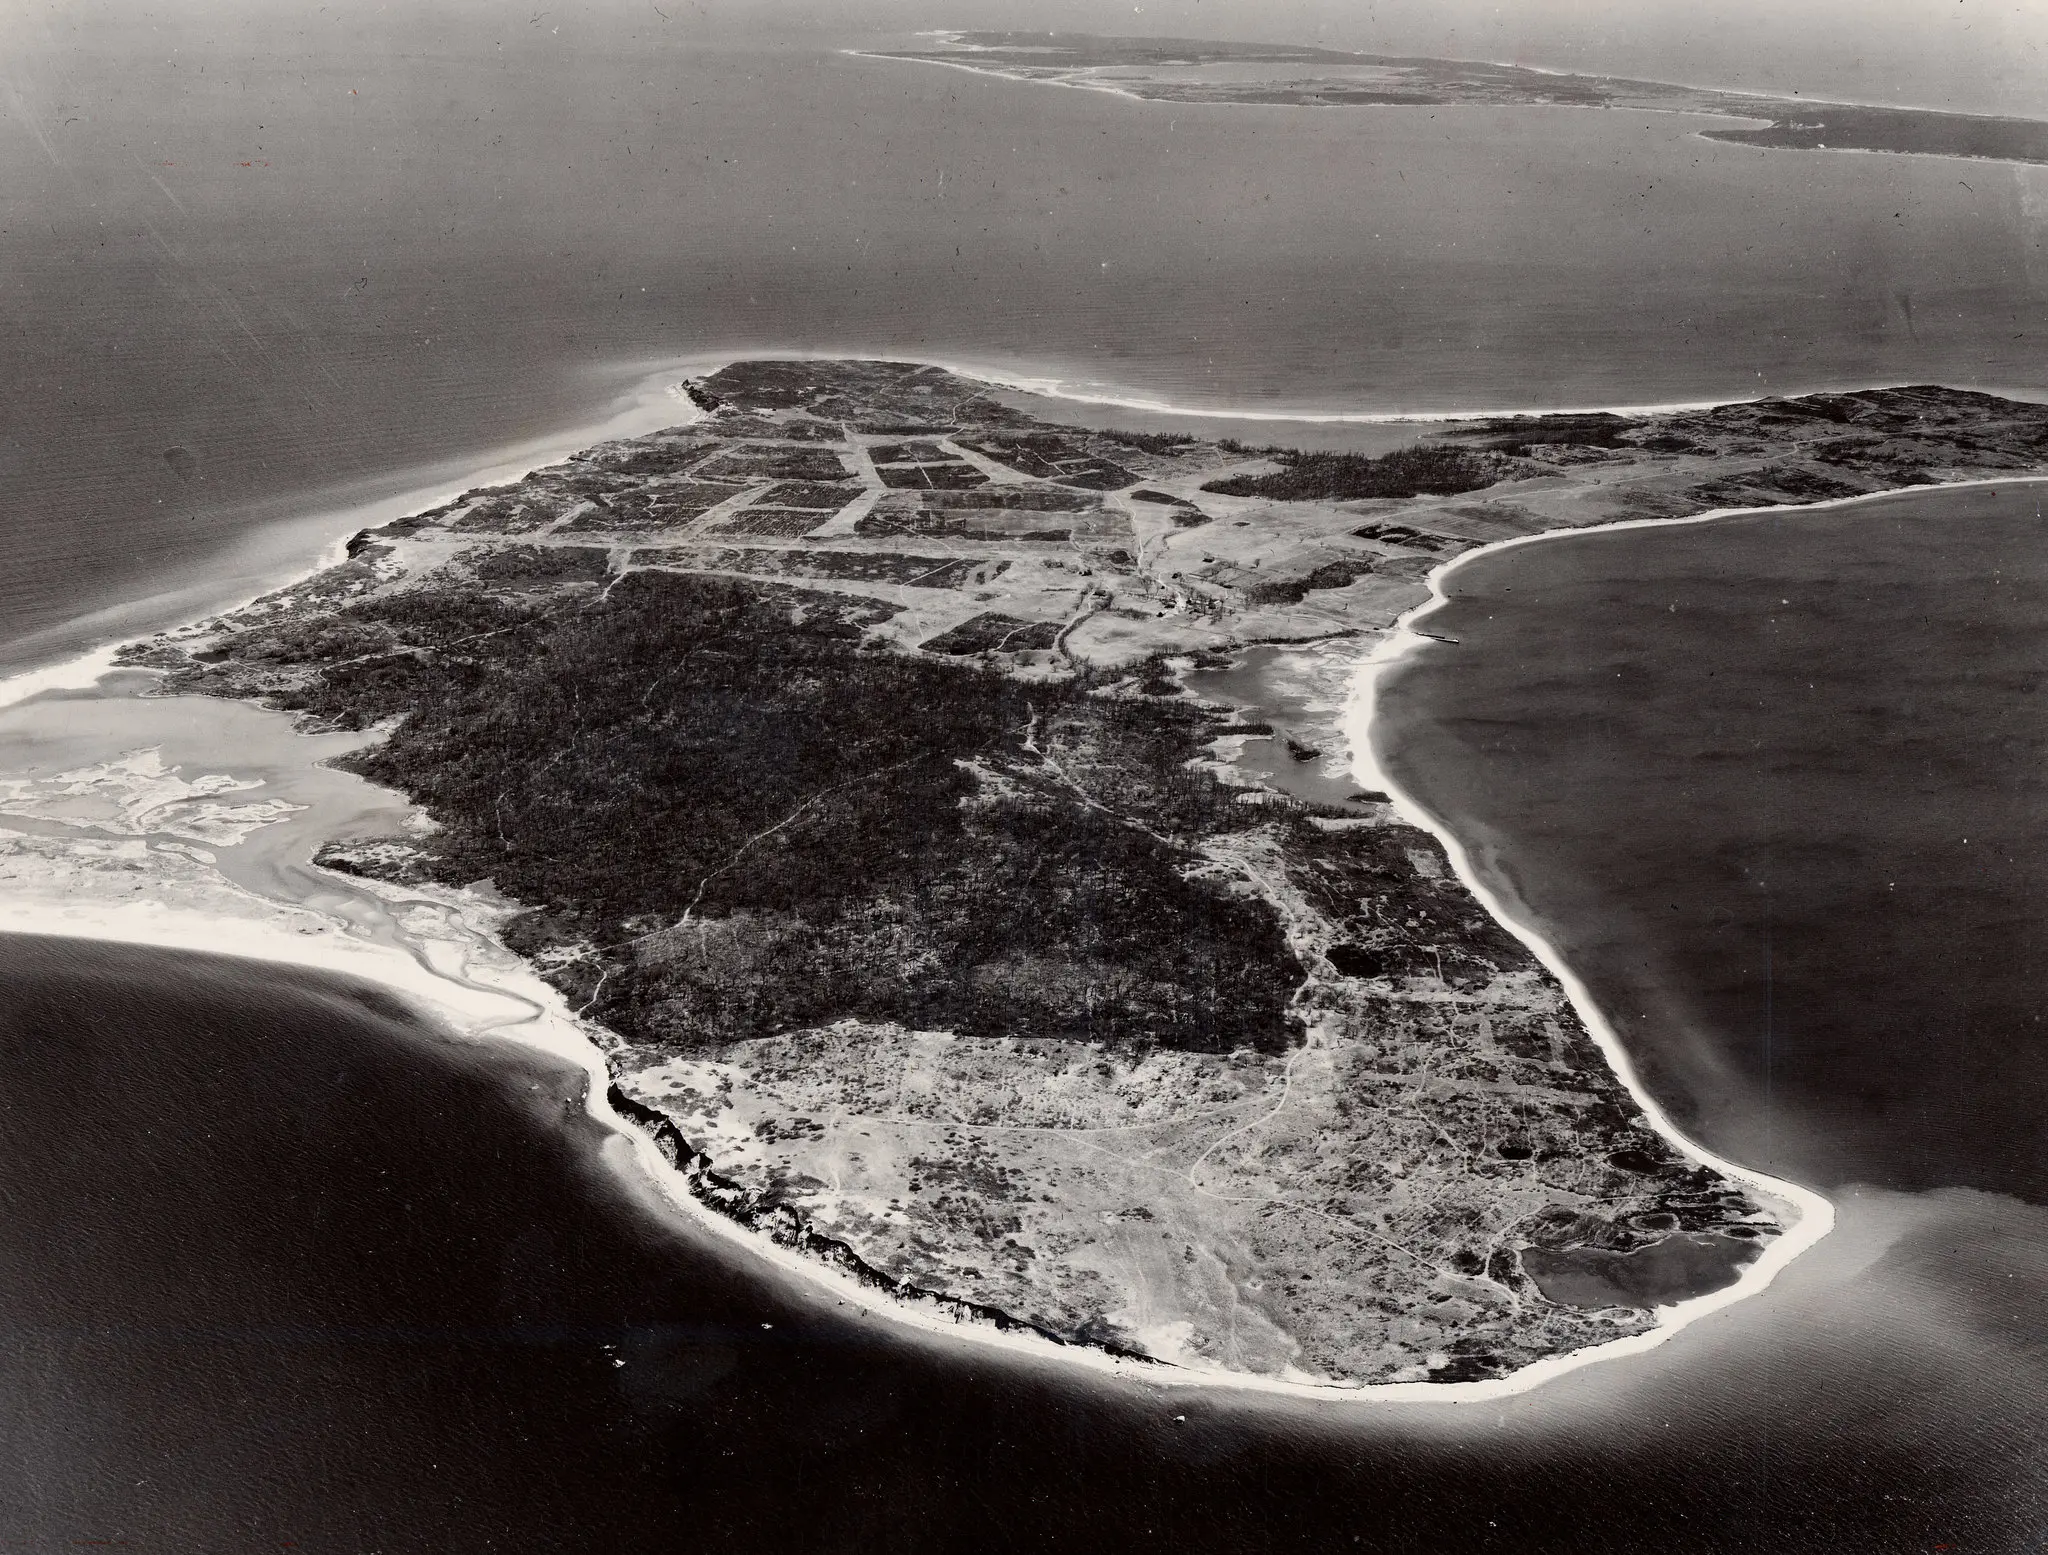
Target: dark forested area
(1428, 468)
(745, 820)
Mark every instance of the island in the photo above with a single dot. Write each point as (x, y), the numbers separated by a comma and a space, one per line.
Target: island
(835, 755)
(1189, 70)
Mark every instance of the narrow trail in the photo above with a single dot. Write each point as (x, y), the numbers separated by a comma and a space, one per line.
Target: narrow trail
(787, 821)
(1280, 1106)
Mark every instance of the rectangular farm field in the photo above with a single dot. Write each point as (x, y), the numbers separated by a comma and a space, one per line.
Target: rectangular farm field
(1028, 499)
(784, 523)
(787, 464)
(823, 495)
(939, 477)
(928, 572)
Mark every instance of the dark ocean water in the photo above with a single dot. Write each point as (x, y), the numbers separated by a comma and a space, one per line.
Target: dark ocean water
(284, 1268)
(281, 1266)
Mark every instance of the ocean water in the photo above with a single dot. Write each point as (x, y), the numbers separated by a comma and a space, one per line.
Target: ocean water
(281, 1266)
(1778, 788)
(286, 1269)
(258, 270)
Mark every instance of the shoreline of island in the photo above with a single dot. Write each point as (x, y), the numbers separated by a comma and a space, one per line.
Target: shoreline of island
(1069, 391)
(499, 997)
(652, 400)
(1814, 1213)
(954, 35)
(1114, 89)
(466, 1002)
(1754, 124)
(661, 386)
(551, 1028)
(1774, 113)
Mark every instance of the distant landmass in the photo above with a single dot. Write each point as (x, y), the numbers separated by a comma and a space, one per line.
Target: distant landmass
(1197, 71)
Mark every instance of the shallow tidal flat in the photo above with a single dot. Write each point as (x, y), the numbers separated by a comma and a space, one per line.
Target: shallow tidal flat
(192, 823)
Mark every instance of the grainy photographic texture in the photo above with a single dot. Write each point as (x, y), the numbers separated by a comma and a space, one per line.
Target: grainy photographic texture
(901, 779)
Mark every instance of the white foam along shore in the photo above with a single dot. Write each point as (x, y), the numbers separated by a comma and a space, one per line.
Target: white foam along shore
(1051, 387)
(655, 400)
(1811, 1215)
(499, 996)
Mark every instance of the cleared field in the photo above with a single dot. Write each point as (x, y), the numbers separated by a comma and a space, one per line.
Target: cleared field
(952, 476)
(795, 464)
(993, 633)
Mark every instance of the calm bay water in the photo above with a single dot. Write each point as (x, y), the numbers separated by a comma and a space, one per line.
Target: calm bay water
(1778, 788)
(1774, 786)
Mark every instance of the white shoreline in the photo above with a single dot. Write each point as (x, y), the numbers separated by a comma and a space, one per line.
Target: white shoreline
(1814, 1212)
(551, 1028)
(653, 401)
(1054, 388)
